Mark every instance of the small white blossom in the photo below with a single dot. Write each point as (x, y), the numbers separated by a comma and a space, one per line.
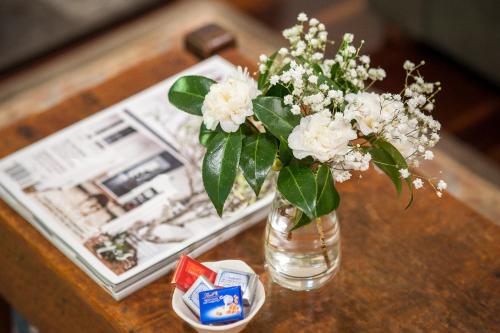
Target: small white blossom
(408, 65)
(324, 87)
(365, 59)
(335, 93)
(274, 79)
(439, 194)
(428, 155)
(288, 100)
(441, 185)
(350, 50)
(341, 176)
(418, 183)
(317, 56)
(283, 51)
(262, 68)
(302, 17)
(263, 58)
(313, 79)
(295, 109)
(404, 173)
(348, 37)
(313, 22)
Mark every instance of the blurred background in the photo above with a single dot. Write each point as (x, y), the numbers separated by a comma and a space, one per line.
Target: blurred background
(460, 41)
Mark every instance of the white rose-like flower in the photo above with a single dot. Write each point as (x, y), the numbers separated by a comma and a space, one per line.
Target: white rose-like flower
(371, 111)
(320, 136)
(228, 103)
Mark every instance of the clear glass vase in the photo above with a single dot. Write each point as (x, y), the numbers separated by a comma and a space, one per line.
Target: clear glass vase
(305, 258)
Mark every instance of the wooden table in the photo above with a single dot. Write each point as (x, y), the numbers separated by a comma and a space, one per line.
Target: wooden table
(432, 268)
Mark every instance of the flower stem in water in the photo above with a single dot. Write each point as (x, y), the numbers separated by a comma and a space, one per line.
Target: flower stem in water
(319, 226)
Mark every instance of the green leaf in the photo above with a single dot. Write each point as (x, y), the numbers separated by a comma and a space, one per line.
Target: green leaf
(298, 185)
(261, 81)
(257, 157)
(278, 119)
(385, 162)
(278, 90)
(304, 220)
(399, 160)
(188, 93)
(335, 71)
(327, 197)
(247, 129)
(324, 79)
(317, 69)
(286, 154)
(206, 134)
(220, 166)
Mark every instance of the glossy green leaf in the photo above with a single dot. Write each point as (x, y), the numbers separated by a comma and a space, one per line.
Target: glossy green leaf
(317, 69)
(220, 166)
(286, 154)
(188, 93)
(278, 119)
(385, 162)
(399, 160)
(323, 79)
(303, 220)
(298, 185)
(278, 90)
(206, 134)
(327, 197)
(335, 71)
(257, 157)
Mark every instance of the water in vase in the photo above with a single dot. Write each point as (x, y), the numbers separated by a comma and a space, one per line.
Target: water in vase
(305, 258)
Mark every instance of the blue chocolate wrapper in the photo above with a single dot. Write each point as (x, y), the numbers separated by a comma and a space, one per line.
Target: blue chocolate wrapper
(221, 305)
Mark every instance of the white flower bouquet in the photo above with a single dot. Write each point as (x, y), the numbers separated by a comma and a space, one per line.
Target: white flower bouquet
(311, 119)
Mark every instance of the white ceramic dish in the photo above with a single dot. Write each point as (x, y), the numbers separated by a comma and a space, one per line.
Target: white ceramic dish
(189, 317)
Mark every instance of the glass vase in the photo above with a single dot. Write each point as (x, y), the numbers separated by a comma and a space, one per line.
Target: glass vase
(305, 258)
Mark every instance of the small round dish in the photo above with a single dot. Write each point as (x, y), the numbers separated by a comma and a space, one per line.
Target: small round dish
(182, 310)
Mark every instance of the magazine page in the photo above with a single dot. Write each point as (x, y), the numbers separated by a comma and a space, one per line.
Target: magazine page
(123, 188)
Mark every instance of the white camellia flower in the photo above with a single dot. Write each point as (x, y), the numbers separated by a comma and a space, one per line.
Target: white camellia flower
(371, 111)
(320, 136)
(228, 103)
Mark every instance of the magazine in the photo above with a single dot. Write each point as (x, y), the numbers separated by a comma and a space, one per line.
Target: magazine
(121, 193)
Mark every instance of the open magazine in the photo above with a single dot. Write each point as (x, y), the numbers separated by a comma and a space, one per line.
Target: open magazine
(121, 193)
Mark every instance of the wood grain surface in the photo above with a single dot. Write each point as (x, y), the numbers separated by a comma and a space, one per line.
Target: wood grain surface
(432, 268)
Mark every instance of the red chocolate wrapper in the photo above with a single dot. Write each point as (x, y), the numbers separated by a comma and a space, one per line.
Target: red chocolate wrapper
(188, 270)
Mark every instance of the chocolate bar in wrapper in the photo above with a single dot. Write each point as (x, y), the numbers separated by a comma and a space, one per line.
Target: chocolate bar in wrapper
(188, 270)
(221, 305)
(247, 282)
(191, 297)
